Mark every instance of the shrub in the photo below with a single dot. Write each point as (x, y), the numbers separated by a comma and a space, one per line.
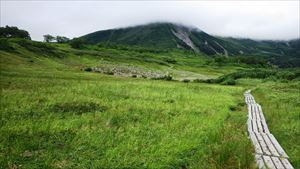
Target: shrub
(5, 45)
(199, 80)
(228, 81)
(13, 32)
(37, 47)
(77, 43)
(186, 80)
(165, 77)
(88, 69)
(109, 73)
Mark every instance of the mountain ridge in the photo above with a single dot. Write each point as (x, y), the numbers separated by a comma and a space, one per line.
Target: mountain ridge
(167, 35)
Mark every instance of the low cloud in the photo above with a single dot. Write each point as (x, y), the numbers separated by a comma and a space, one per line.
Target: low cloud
(277, 20)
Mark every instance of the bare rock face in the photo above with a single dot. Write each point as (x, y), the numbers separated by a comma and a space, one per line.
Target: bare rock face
(183, 35)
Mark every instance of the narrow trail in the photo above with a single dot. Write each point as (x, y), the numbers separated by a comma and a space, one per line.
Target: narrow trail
(268, 152)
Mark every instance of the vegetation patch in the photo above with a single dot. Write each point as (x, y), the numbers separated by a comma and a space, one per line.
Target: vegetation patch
(77, 107)
(271, 74)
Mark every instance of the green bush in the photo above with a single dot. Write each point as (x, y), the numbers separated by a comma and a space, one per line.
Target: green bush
(228, 81)
(186, 80)
(34, 46)
(88, 69)
(5, 45)
(76, 43)
(165, 77)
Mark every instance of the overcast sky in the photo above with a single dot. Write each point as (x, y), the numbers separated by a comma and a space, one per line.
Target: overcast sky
(249, 19)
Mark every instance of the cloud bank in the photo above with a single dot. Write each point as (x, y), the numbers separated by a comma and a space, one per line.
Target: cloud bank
(275, 20)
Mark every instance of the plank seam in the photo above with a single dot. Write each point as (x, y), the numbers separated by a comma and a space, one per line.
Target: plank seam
(272, 151)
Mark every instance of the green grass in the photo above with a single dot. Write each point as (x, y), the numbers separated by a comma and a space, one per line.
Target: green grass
(53, 115)
(281, 105)
(111, 122)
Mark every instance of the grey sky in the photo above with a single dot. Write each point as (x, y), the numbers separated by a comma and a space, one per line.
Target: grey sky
(248, 19)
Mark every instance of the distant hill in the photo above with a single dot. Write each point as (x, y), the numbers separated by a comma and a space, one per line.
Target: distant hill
(177, 36)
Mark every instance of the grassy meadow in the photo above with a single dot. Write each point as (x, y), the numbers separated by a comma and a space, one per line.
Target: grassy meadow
(55, 115)
(281, 105)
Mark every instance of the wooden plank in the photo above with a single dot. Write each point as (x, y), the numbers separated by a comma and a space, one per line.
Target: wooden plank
(249, 124)
(260, 126)
(277, 146)
(253, 112)
(249, 111)
(268, 152)
(263, 120)
(255, 129)
(286, 163)
(269, 163)
(260, 162)
(256, 112)
(262, 117)
(270, 145)
(254, 140)
(277, 163)
(263, 145)
(258, 120)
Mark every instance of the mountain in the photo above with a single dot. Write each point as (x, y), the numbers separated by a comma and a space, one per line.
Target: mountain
(177, 36)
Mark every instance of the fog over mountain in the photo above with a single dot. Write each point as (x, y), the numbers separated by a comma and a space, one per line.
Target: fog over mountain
(276, 20)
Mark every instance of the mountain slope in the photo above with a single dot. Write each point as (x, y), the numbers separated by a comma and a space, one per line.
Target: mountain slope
(176, 36)
(160, 35)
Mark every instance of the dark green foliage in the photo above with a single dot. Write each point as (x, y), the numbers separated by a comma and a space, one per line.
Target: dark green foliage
(109, 73)
(237, 60)
(13, 32)
(77, 43)
(228, 81)
(170, 60)
(165, 77)
(133, 48)
(154, 36)
(62, 39)
(77, 108)
(37, 47)
(5, 45)
(48, 38)
(270, 74)
(186, 80)
(88, 69)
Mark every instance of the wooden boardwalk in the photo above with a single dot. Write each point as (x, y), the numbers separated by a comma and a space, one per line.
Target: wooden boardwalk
(268, 152)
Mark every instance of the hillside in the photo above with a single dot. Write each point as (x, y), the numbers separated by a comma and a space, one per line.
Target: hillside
(56, 112)
(176, 36)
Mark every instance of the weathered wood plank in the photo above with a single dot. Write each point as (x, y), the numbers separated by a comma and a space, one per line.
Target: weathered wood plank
(277, 146)
(249, 124)
(286, 163)
(270, 145)
(268, 152)
(263, 120)
(253, 112)
(255, 129)
(258, 120)
(269, 163)
(256, 112)
(249, 111)
(263, 144)
(260, 162)
(256, 144)
(265, 127)
(277, 163)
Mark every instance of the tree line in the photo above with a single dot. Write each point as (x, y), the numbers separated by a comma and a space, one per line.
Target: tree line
(15, 32)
